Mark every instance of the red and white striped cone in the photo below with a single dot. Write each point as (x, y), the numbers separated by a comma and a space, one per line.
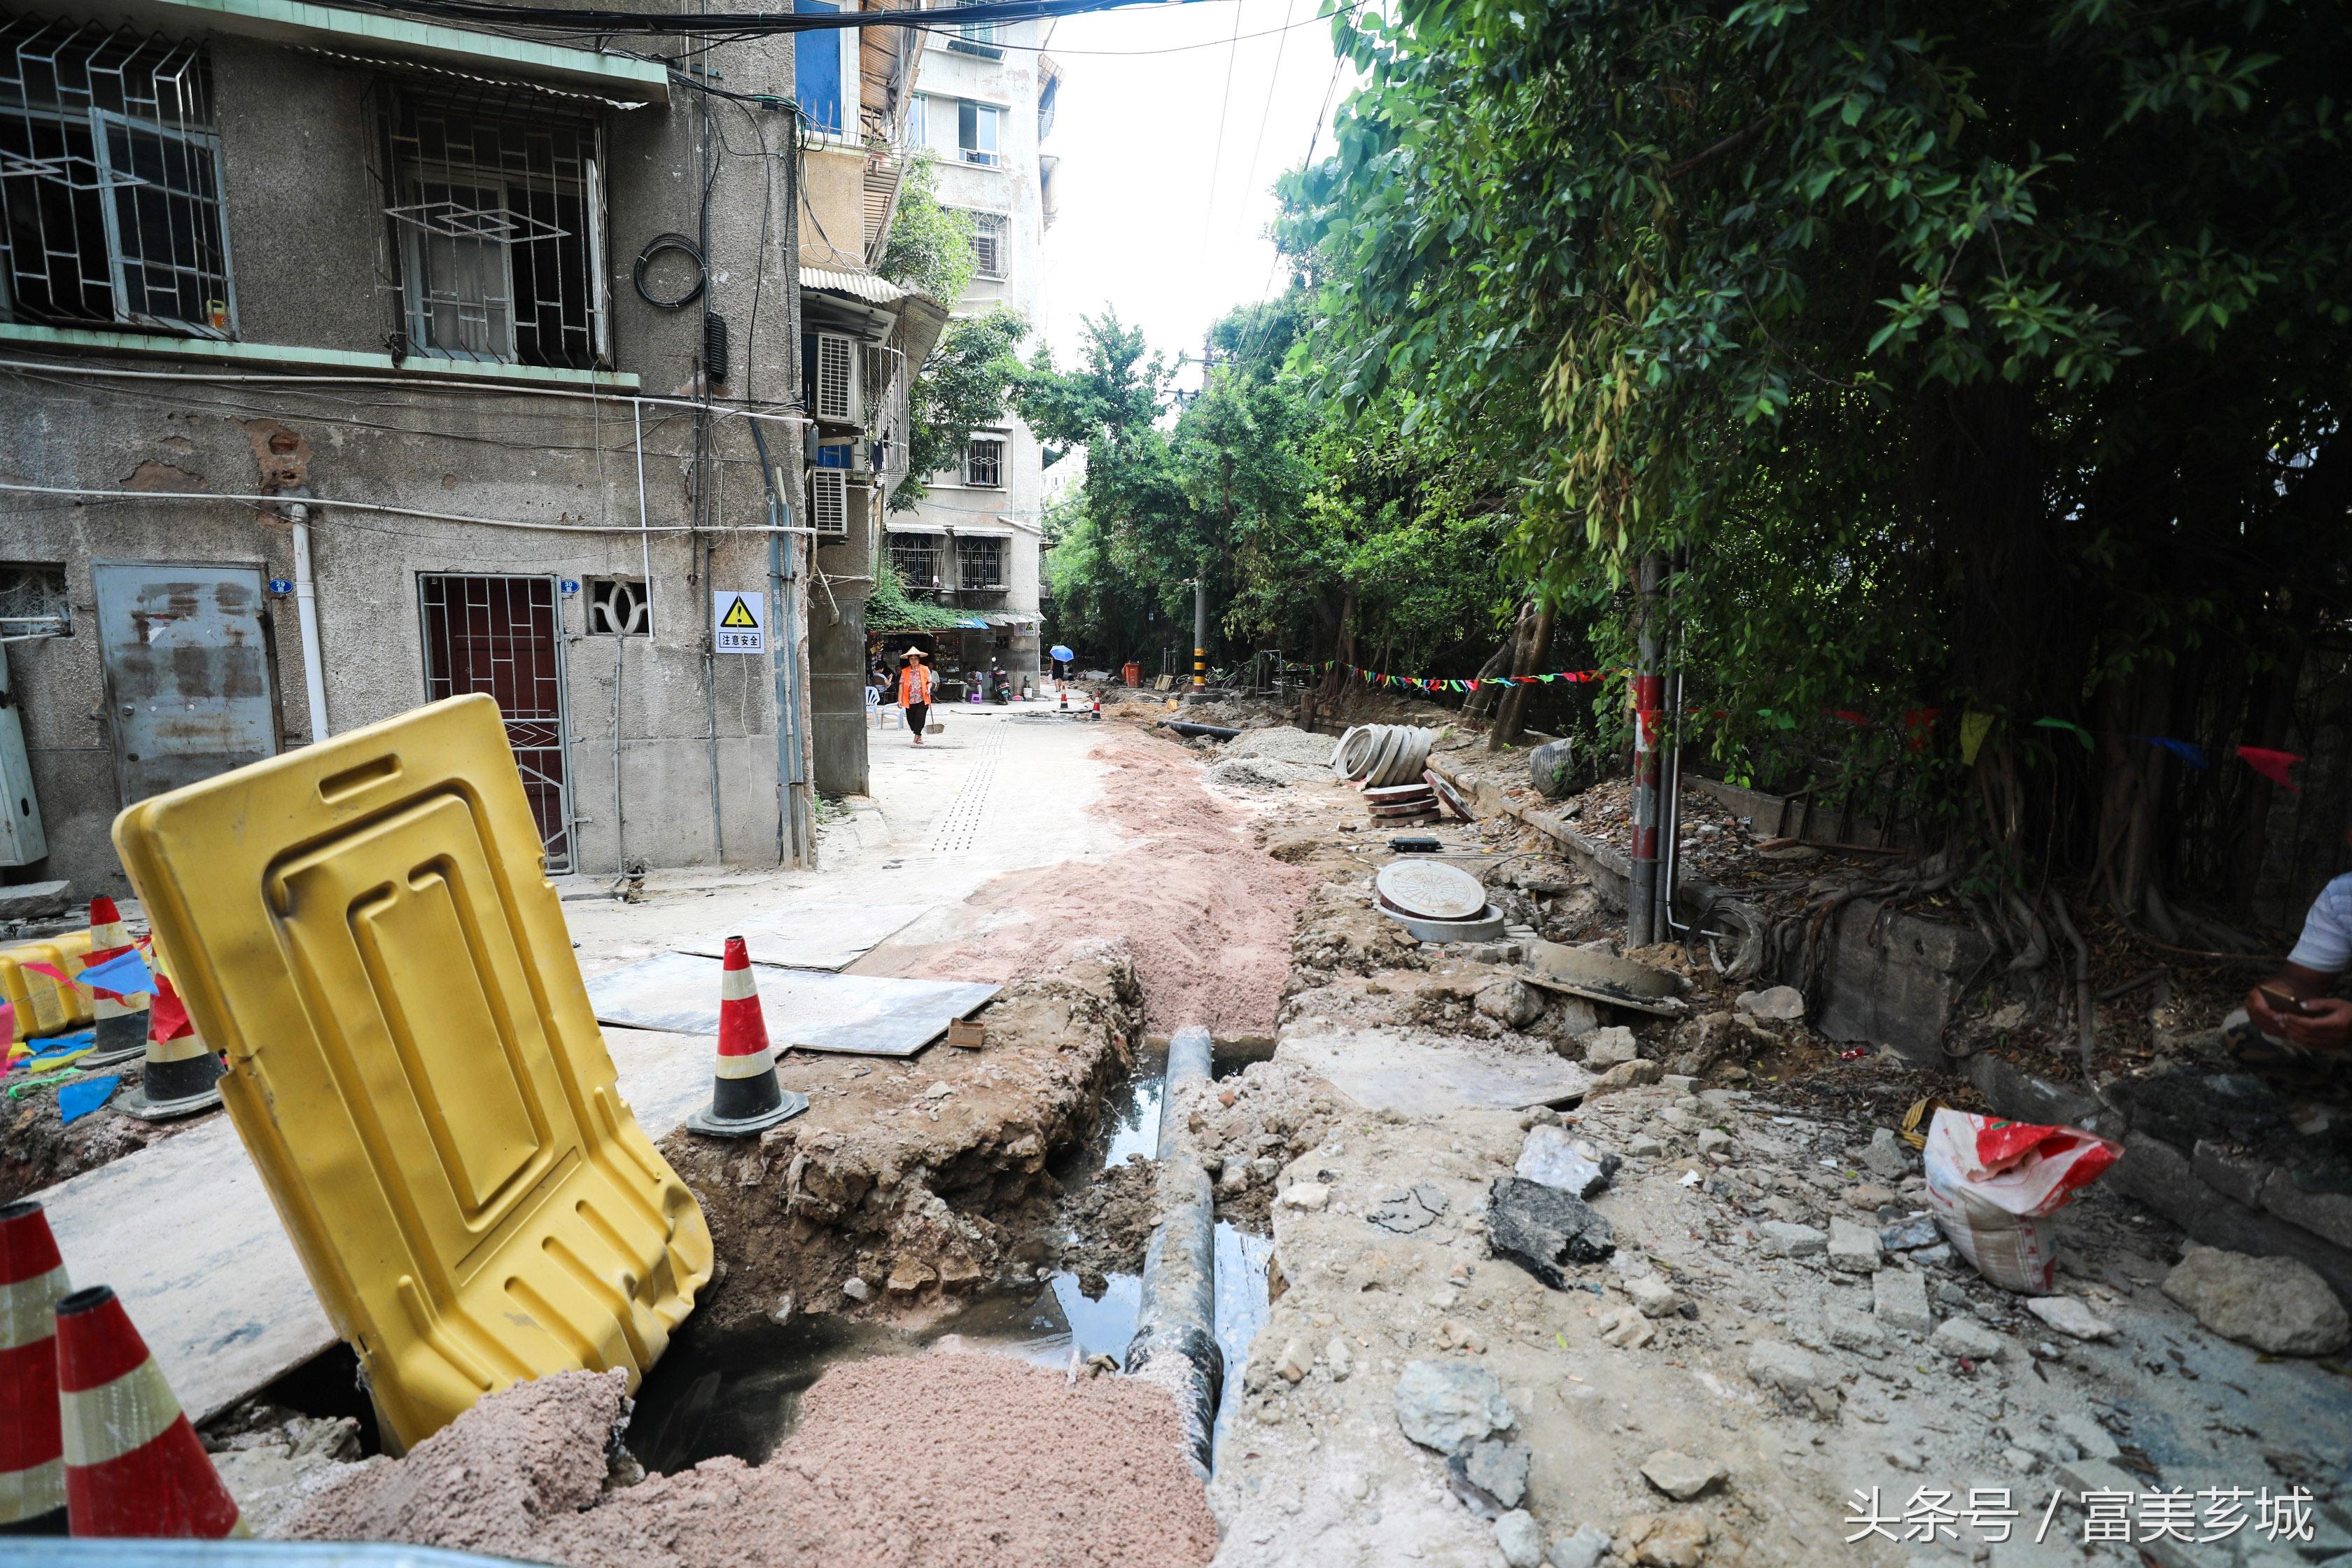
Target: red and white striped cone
(32, 1453)
(133, 1465)
(182, 1076)
(744, 1094)
(121, 1022)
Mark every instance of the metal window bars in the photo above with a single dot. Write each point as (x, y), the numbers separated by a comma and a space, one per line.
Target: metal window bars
(979, 562)
(983, 462)
(504, 634)
(915, 557)
(497, 228)
(111, 181)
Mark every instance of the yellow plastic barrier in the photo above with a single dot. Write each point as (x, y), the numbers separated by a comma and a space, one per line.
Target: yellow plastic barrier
(366, 929)
(44, 1006)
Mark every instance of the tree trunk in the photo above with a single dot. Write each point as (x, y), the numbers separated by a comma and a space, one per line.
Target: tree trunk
(1515, 701)
(1482, 701)
(2131, 774)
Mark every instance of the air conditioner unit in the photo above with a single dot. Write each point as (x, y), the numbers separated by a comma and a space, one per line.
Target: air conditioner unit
(836, 378)
(829, 503)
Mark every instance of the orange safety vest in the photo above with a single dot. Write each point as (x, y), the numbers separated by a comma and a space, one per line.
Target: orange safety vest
(914, 685)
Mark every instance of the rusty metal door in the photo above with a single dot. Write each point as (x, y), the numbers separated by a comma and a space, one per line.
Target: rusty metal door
(504, 634)
(190, 670)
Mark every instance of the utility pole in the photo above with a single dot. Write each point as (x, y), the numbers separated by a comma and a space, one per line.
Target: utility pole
(1200, 636)
(1645, 899)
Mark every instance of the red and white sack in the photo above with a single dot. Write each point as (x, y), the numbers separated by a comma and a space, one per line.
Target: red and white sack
(1990, 1180)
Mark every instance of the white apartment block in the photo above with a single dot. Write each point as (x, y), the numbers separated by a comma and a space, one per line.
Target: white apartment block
(983, 106)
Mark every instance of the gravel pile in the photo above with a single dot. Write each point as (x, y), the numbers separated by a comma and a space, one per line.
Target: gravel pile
(1282, 743)
(1260, 774)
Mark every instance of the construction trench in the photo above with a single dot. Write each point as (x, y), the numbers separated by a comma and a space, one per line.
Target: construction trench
(951, 1317)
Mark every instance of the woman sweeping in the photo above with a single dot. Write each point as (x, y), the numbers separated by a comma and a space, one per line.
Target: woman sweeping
(915, 692)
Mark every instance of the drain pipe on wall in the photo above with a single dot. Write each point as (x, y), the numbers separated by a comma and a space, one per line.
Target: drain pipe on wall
(1175, 1342)
(306, 613)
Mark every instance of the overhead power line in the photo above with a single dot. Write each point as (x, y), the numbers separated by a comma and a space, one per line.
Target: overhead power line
(742, 24)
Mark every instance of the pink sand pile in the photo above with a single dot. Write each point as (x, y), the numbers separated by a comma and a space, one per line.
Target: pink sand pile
(953, 1459)
(1207, 914)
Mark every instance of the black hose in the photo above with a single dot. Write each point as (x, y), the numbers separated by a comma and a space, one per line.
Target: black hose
(661, 245)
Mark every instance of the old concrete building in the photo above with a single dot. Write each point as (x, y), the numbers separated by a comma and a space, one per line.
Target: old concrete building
(984, 110)
(348, 362)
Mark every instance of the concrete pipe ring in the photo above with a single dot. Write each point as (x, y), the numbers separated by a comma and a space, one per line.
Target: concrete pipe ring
(1339, 750)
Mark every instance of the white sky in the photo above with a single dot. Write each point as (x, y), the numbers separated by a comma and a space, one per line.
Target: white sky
(1137, 134)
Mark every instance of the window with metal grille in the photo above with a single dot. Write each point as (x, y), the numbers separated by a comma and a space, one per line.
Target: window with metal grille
(916, 558)
(979, 562)
(983, 461)
(33, 601)
(111, 182)
(498, 218)
(988, 244)
(619, 606)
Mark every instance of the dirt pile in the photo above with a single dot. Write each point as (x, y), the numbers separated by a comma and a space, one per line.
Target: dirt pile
(1110, 1222)
(40, 1151)
(1207, 914)
(944, 1458)
(1258, 774)
(915, 1180)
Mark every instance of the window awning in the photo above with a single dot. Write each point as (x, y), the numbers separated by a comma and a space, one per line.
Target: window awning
(998, 621)
(864, 285)
(898, 525)
(981, 530)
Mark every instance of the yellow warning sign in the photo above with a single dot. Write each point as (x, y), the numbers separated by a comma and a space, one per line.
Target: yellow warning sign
(739, 621)
(739, 613)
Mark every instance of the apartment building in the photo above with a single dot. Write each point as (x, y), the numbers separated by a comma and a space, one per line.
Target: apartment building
(984, 109)
(349, 361)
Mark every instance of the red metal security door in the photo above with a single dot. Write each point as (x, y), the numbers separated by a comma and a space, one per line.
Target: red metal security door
(505, 636)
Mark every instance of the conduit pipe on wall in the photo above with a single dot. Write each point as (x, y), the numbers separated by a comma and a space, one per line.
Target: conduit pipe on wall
(306, 613)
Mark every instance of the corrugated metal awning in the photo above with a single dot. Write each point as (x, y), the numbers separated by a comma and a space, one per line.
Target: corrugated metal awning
(982, 529)
(908, 525)
(863, 286)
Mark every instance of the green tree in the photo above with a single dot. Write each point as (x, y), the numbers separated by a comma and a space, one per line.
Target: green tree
(929, 248)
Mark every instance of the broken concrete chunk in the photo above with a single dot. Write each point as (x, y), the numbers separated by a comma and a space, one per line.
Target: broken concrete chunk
(1294, 1363)
(1450, 1406)
(909, 1276)
(1552, 1157)
(2275, 1304)
(1514, 1003)
(2090, 1440)
(1967, 1337)
(1667, 1541)
(1416, 1208)
(1517, 1535)
(1627, 1328)
(1798, 1374)
(1782, 1238)
(1909, 1235)
(1340, 1357)
(1581, 1549)
(1491, 1476)
(1888, 1156)
(1711, 1139)
(1644, 1146)
(1608, 1048)
(1652, 1296)
(2070, 1315)
(1307, 1196)
(1624, 1075)
(1851, 1331)
(34, 900)
(1542, 1229)
(857, 1289)
(1852, 1247)
(1681, 1476)
(1781, 1004)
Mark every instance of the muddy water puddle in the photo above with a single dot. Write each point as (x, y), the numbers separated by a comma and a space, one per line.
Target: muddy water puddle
(737, 1392)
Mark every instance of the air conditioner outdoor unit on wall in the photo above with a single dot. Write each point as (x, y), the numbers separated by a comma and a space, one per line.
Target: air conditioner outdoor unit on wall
(836, 378)
(829, 503)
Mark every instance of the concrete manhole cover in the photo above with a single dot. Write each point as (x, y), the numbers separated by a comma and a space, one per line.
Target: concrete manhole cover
(1431, 889)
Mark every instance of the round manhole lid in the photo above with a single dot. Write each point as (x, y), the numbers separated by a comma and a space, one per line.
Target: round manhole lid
(1432, 890)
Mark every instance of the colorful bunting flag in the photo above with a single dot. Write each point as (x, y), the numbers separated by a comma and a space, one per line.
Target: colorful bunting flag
(2272, 765)
(1974, 728)
(2181, 749)
(2070, 727)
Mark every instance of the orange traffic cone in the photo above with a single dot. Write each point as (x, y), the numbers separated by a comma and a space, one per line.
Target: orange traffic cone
(133, 1465)
(32, 1453)
(744, 1094)
(121, 1024)
(182, 1076)
(1065, 697)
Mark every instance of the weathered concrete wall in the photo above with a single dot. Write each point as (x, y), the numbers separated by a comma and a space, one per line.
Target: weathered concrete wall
(297, 135)
(1895, 983)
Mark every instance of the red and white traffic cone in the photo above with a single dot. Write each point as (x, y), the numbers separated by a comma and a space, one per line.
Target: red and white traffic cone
(32, 1452)
(133, 1465)
(745, 1095)
(182, 1076)
(121, 1022)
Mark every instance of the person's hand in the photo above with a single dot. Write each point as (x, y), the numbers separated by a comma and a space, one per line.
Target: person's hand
(2324, 1024)
(2259, 1013)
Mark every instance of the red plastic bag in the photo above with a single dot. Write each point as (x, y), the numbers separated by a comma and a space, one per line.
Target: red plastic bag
(1990, 1180)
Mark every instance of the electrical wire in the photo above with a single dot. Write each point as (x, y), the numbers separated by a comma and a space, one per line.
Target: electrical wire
(329, 504)
(742, 25)
(1216, 162)
(1273, 82)
(1347, 10)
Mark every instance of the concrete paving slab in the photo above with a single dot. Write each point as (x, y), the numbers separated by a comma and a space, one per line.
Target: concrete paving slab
(813, 936)
(860, 1014)
(1386, 1070)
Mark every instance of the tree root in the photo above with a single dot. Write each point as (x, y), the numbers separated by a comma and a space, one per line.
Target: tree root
(2087, 1027)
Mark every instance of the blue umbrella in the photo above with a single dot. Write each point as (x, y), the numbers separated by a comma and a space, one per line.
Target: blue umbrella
(1063, 654)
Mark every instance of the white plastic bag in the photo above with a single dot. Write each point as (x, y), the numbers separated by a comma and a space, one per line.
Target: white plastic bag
(1990, 1180)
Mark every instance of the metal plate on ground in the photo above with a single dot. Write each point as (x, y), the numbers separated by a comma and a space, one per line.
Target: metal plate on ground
(807, 1010)
(1432, 890)
(814, 936)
